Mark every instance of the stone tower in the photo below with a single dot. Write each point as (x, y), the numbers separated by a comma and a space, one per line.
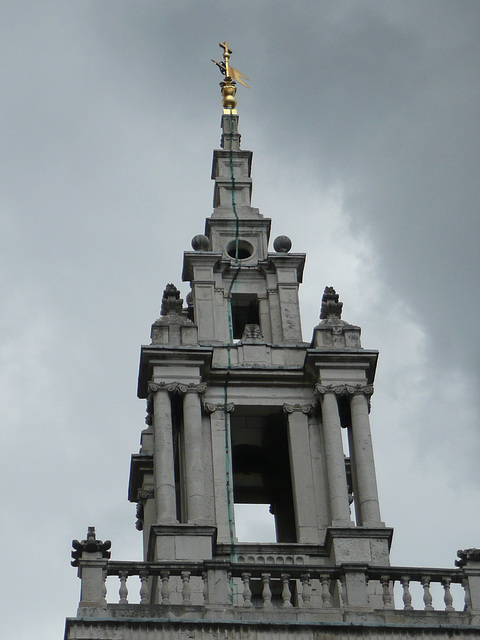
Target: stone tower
(241, 410)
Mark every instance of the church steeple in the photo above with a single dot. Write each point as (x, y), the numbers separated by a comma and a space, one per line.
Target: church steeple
(241, 411)
(238, 346)
(235, 280)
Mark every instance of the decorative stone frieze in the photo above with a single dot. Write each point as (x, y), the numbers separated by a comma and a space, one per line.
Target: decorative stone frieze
(139, 514)
(177, 387)
(210, 407)
(149, 410)
(90, 545)
(307, 409)
(142, 496)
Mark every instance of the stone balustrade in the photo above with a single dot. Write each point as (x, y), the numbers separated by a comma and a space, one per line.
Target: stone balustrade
(251, 586)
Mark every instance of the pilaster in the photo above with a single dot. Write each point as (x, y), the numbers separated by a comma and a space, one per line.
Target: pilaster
(301, 472)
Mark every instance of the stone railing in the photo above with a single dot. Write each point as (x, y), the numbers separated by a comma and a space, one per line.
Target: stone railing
(265, 586)
(241, 587)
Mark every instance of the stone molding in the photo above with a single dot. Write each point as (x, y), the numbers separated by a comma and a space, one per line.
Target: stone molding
(307, 409)
(177, 387)
(211, 407)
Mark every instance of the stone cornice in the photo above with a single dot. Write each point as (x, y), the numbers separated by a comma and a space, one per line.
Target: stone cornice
(177, 387)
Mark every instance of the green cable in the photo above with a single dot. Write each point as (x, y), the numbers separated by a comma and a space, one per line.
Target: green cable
(227, 376)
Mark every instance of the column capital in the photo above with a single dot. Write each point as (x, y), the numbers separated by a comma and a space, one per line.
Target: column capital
(344, 389)
(177, 387)
(304, 408)
(144, 494)
(211, 407)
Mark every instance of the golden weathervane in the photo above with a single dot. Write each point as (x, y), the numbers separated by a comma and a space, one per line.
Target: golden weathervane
(231, 74)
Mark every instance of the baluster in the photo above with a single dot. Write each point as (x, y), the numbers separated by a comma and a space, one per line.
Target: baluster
(387, 594)
(144, 591)
(186, 589)
(468, 600)
(325, 580)
(165, 593)
(266, 593)
(205, 587)
(247, 593)
(306, 589)
(407, 597)
(286, 594)
(123, 591)
(427, 596)
(447, 598)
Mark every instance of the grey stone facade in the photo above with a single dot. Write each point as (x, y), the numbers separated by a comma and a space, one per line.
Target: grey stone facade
(241, 410)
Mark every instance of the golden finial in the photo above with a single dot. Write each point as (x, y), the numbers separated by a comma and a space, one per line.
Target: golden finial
(231, 74)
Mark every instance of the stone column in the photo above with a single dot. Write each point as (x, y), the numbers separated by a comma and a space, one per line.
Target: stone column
(163, 465)
(222, 468)
(194, 460)
(334, 458)
(264, 313)
(301, 472)
(363, 455)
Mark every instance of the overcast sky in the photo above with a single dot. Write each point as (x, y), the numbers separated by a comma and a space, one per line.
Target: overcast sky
(364, 121)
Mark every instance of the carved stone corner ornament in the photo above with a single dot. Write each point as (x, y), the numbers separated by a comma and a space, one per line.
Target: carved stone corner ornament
(252, 332)
(466, 556)
(171, 301)
(90, 545)
(331, 307)
(144, 494)
(304, 408)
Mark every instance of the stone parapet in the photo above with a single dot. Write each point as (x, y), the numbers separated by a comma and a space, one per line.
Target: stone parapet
(165, 625)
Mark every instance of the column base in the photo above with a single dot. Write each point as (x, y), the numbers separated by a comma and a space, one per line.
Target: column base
(181, 542)
(370, 545)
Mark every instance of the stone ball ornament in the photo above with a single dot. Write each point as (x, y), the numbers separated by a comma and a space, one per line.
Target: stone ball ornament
(200, 243)
(282, 244)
